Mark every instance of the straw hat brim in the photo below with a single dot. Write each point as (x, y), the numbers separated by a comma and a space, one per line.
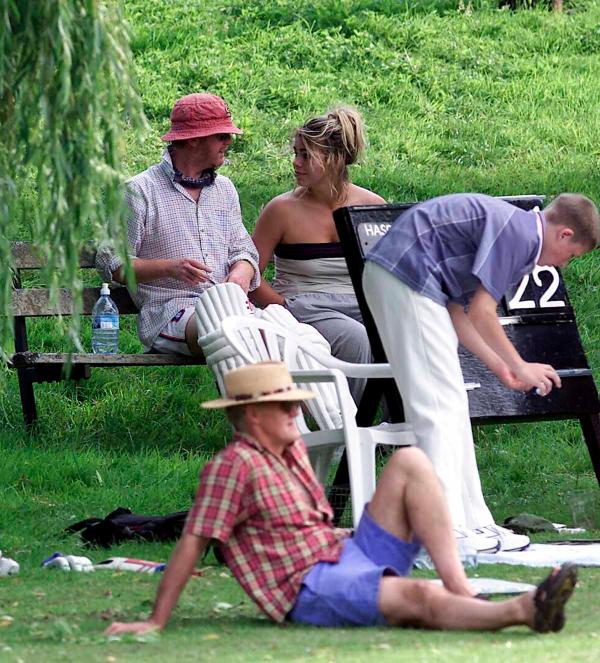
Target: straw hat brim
(291, 395)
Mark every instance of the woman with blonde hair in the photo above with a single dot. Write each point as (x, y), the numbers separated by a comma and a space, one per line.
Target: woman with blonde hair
(297, 229)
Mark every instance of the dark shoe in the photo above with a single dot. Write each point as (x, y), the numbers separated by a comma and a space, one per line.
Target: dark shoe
(551, 596)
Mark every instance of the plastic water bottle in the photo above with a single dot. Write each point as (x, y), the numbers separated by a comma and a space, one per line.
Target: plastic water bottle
(105, 324)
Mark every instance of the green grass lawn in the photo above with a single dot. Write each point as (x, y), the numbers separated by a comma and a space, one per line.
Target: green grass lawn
(467, 99)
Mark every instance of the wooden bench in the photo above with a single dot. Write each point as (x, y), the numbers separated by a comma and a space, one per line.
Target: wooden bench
(537, 316)
(33, 302)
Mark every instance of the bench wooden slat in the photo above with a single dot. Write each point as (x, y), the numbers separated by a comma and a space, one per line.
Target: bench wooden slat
(25, 359)
(35, 302)
(25, 257)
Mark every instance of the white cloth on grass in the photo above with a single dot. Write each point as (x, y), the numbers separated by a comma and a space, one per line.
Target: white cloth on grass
(546, 554)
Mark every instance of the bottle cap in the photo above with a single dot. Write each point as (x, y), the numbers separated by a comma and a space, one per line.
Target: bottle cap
(104, 290)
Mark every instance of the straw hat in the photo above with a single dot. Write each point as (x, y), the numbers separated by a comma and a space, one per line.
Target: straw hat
(198, 115)
(267, 381)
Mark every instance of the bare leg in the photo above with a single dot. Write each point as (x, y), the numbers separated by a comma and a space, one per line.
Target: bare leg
(408, 602)
(191, 336)
(409, 502)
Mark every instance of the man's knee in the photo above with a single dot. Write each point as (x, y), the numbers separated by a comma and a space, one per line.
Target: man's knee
(410, 461)
(406, 465)
(408, 602)
(191, 336)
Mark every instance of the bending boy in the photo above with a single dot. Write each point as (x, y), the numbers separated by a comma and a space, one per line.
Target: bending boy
(443, 268)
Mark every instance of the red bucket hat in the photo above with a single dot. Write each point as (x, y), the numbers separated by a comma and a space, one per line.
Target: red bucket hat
(198, 115)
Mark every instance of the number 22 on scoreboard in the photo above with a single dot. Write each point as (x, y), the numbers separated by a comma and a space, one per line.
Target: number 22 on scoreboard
(546, 300)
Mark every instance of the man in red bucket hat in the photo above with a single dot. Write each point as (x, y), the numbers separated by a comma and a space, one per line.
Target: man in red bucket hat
(185, 228)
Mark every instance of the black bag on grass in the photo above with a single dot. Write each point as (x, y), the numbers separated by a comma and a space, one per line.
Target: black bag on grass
(122, 525)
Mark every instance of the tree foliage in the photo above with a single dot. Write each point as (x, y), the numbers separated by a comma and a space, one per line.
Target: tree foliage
(66, 92)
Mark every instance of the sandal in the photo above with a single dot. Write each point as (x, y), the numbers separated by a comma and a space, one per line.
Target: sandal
(551, 596)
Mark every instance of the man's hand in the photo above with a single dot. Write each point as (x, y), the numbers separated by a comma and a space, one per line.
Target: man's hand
(117, 628)
(241, 273)
(180, 567)
(188, 270)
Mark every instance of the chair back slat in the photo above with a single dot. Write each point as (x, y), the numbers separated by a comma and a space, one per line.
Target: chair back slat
(218, 302)
(317, 406)
(326, 406)
(273, 345)
(282, 345)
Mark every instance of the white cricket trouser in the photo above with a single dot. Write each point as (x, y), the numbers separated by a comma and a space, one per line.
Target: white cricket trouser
(422, 347)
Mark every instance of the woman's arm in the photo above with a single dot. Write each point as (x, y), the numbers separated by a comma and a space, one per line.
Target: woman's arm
(267, 234)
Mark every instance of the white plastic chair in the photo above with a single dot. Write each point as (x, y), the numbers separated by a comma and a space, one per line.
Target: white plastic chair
(252, 339)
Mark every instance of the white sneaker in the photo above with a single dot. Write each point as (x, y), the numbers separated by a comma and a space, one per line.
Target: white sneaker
(470, 538)
(508, 540)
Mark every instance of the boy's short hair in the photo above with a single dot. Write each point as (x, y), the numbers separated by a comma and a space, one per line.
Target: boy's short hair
(578, 213)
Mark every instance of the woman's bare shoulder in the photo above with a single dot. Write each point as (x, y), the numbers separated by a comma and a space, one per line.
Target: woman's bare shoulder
(281, 203)
(358, 195)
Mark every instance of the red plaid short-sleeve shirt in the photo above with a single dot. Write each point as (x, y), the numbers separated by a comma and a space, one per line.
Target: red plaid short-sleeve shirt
(272, 517)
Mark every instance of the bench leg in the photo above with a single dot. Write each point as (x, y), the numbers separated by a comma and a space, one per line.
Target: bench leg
(27, 397)
(590, 425)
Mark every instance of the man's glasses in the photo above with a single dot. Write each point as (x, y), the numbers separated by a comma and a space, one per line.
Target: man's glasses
(288, 406)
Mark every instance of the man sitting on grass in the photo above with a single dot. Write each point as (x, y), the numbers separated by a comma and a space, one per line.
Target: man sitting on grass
(260, 499)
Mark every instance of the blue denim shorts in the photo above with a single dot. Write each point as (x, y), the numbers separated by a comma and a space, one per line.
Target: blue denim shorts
(344, 593)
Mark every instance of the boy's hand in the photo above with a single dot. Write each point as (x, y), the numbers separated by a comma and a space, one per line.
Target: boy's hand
(509, 378)
(528, 376)
(539, 376)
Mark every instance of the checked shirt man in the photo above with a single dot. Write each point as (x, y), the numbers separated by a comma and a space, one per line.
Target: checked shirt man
(260, 500)
(185, 228)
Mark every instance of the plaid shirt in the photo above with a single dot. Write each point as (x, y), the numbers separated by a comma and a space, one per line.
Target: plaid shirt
(272, 517)
(166, 222)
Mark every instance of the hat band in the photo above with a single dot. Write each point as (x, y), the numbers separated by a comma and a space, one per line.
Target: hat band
(206, 121)
(246, 397)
